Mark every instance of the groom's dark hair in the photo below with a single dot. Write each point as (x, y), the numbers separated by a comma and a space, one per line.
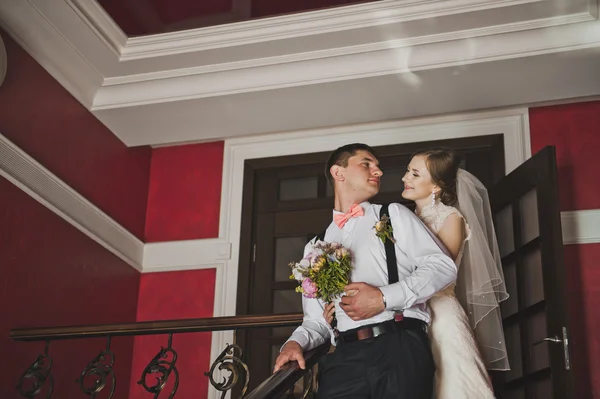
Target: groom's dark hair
(342, 154)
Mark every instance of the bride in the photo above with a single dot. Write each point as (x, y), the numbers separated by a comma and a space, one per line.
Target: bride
(466, 329)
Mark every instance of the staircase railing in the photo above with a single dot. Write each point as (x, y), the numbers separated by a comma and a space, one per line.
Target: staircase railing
(37, 380)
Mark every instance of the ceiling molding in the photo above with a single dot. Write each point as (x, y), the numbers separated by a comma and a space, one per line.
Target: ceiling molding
(301, 24)
(570, 40)
(395, 57)
(55, 53)
(190, 76)
(97, 20)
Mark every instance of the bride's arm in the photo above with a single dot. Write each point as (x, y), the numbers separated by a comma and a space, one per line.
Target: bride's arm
(452, 234)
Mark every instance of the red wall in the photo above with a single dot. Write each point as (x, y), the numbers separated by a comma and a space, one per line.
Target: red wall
(583, 284)
(183, 204)
(185, 192)
(575, 131)
(52, 274)
(45, 121)
(176, 295)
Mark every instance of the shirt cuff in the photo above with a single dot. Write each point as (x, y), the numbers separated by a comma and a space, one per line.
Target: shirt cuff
(300, 338)
(395, 296)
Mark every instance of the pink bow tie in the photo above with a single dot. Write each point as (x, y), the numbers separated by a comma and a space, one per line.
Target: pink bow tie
(355, 210)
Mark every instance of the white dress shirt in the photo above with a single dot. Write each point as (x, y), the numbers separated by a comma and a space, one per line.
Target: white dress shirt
(423, 270)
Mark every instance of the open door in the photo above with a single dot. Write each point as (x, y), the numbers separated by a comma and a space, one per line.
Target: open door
(527, 218)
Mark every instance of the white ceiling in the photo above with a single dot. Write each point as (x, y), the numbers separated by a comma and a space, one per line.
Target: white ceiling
(378, 61)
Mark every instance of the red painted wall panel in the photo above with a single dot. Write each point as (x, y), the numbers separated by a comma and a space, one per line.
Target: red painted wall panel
(45, 121)
(185, 192)
(583, 284)
(52, 275)
(176, 295)
(575, 131)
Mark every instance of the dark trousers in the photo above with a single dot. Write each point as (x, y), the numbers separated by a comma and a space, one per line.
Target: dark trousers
(396, 365)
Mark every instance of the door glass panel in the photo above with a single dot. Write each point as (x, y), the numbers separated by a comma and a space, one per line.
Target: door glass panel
(287, 301)
(511, 305)
(536, 325)
(534, 282)
(512, 334)
(287, 249)
(530, 227)
(298, 188)
(504, 230)
(392, 180)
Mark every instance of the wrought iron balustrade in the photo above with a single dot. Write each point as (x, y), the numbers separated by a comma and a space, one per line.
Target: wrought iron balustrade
(98, 377)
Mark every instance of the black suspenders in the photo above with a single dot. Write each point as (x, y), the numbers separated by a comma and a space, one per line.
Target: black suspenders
(390, 253)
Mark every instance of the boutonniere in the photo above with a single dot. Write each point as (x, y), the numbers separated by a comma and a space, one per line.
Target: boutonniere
(383, 229)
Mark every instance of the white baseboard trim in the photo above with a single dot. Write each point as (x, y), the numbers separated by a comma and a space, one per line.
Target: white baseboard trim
(581, 227)
(185, 255)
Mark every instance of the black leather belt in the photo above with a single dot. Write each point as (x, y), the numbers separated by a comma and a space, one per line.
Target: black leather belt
(376, 330)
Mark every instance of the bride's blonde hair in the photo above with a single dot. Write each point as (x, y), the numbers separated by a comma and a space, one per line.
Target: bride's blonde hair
(442, 164)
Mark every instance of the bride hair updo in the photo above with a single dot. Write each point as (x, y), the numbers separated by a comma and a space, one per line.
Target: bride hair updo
(442, 164)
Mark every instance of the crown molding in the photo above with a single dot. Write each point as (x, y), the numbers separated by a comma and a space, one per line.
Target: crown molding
(358, 62)
(98, 21)
(301, 24)
(126, 82)
(569, 41)
(55, 53)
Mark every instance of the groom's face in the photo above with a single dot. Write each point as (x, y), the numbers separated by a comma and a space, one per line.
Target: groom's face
(362, 176)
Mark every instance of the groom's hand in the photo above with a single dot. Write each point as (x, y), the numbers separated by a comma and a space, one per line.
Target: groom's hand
(290, 352)
(365, 303)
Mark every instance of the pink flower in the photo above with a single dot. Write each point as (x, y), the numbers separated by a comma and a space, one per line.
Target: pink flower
(310, 288)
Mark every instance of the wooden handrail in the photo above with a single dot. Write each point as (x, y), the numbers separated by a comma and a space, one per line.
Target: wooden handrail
(284, 379)
(156, 327)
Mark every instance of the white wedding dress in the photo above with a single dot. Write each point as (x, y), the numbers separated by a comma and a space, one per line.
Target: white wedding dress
(460, 370)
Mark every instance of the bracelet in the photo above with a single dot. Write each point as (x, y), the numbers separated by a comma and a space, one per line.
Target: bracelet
(384, 301)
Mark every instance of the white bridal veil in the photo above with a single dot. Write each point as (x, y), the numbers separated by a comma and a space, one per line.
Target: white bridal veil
(480, 285)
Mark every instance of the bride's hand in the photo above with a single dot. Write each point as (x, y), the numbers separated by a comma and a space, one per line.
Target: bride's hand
(328, 312)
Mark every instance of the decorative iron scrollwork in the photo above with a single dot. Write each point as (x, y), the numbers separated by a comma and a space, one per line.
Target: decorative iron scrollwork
(35, 377)
(229, 361)
(308, 384)
(98, 372)
(163, 367)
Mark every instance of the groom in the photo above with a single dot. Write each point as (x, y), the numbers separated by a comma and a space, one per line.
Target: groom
(382, 349)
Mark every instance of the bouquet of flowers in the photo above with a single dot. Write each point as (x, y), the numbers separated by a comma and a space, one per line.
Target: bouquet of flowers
(323, 272)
